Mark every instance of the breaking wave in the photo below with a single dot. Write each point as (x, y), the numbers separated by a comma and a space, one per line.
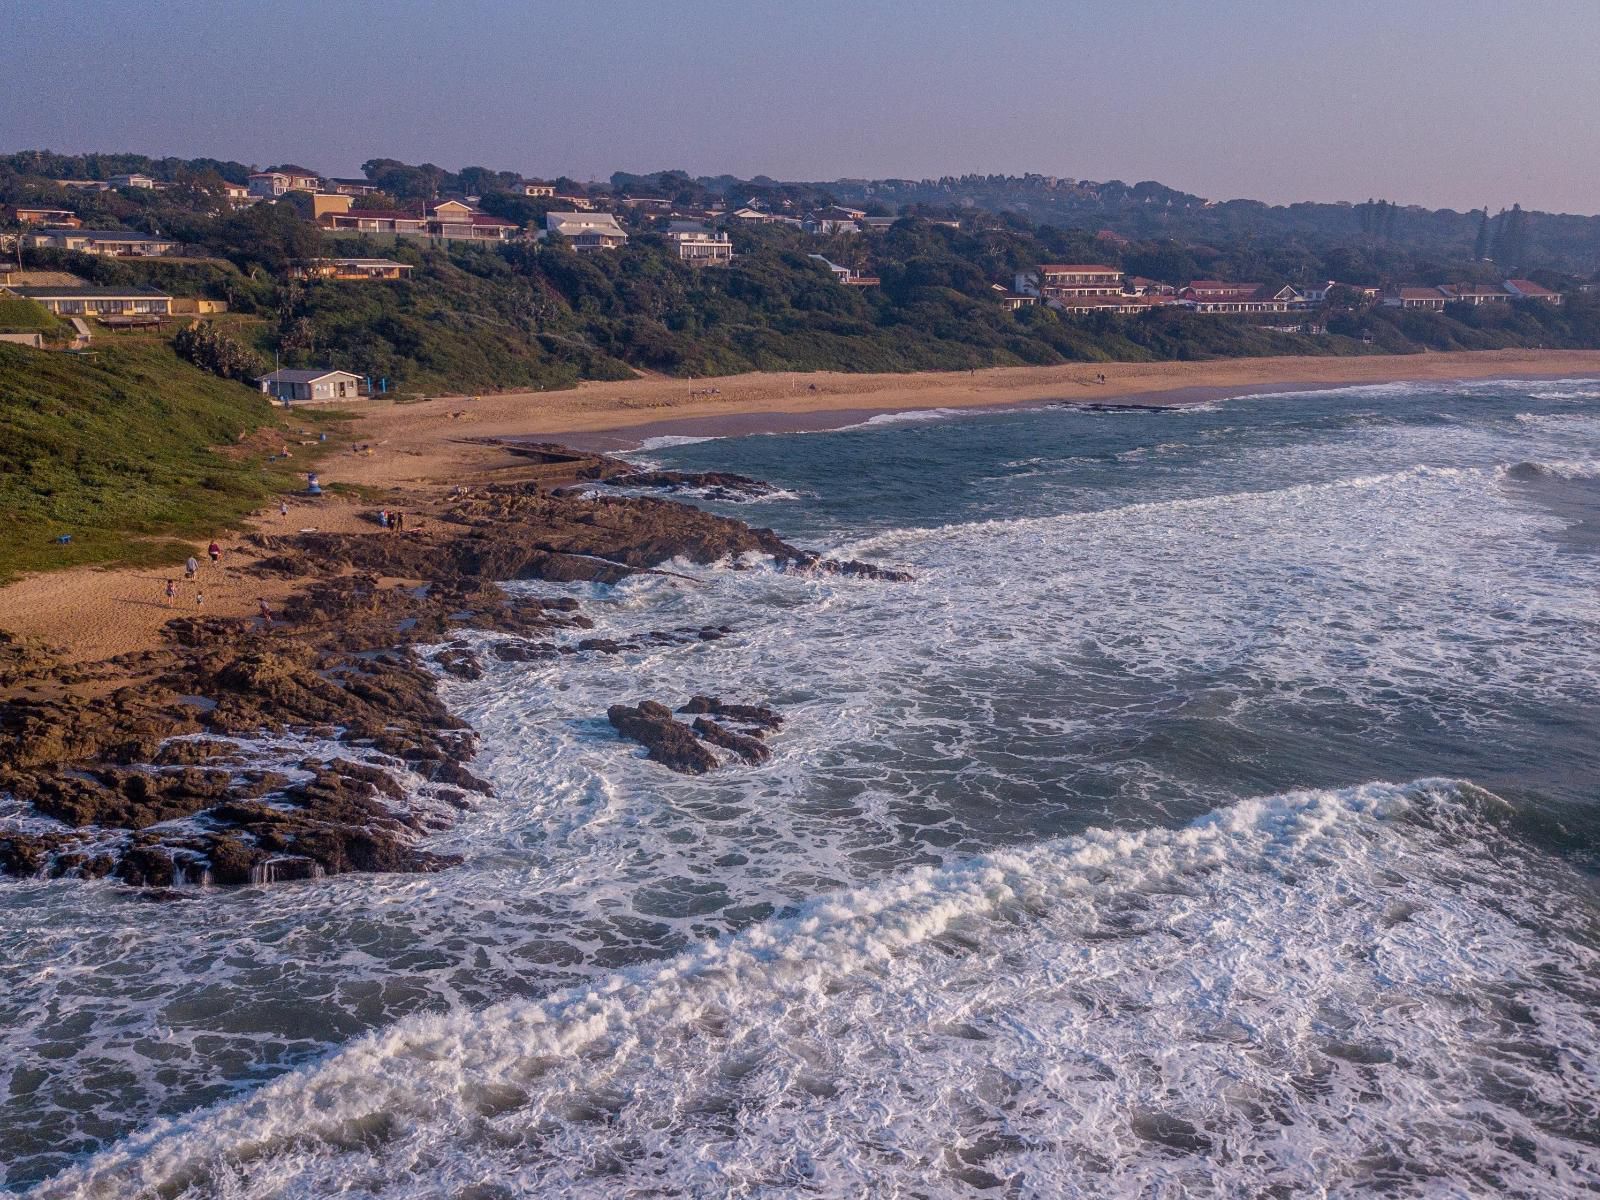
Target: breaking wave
(1327, 991)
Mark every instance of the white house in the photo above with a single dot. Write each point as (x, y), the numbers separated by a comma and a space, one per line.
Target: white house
(310, 386)
(700, 246)
(111, 243)
(284, 179)
(134, 180)
(585, 231)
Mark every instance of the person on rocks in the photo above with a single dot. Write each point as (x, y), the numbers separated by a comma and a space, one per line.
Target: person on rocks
(266, 611)
(199, 599)
(398, 522)
(215, 551)
(172, 591)
(191, 568)
(383, 518)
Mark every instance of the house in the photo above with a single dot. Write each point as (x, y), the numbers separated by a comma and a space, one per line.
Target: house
(351, 187)
(112, 243)
(1140, 285)
(451, 220)
(457, 220)
(100, 302)
(585, 231)
(396, 222)
(350, 270)
(1475, 294)
(828, 226)
(580, 203)
(56, 218)
(877, 224)
(85, 185)
(236, 193)
(1526, 289)
(1221, 296)
(134, 180)
(845, 275)
(539, 190)
(1011, 301)
(1430, 299)
(310, 386)
(1063, 281)
(700, 246)
(284, 179)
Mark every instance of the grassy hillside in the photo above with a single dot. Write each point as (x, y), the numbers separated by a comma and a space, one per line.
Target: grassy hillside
(21, 315)
(127, 450)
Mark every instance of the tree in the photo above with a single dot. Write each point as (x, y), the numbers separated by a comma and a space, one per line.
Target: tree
(1480, 248)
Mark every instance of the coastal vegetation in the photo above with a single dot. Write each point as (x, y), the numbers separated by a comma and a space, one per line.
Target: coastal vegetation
(125, 450)
(537, 315)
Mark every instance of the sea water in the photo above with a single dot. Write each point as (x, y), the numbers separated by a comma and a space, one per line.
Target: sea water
(1215, 814)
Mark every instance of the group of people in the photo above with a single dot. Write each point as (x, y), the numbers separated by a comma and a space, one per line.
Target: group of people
(394, 522)
(191, 574)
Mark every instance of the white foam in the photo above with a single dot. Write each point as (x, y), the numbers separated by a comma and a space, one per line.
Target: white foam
(1287, 994)
(667, 441)
(903, 417)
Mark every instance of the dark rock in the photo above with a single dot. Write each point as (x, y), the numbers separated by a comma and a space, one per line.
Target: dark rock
(668, 742)
(754, 715)
(459, 664)
(746, 747)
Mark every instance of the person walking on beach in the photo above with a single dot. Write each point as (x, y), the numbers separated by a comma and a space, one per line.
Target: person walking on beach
(199, 599)
(283, 508)
(172, 591)
(191, 567)
(215, 551)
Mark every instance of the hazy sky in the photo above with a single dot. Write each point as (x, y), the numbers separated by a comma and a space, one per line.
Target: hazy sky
(1439, 102)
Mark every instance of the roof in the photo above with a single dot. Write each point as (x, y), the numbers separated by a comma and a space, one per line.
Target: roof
(361, 262)
(1529, 288)
(291, 169)
(595, 222)
(1421, 293)
(288, 376)
(111, 235)
(1080, 268)
(1476, 289)
(90, 293)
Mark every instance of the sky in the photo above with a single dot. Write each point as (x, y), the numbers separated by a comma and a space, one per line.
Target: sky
(1457, 104)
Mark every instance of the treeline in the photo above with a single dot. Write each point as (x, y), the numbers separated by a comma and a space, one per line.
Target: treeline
(537, 315)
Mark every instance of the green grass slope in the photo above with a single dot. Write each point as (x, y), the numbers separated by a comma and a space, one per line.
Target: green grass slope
(126, 450)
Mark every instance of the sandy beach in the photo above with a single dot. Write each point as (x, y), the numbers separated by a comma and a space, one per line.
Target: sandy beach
(430, 439)
(430, 444)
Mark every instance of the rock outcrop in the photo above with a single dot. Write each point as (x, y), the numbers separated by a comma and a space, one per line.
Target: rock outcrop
(666, 740)
(237, 754)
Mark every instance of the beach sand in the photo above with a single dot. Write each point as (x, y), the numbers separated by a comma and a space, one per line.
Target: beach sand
(94, 613)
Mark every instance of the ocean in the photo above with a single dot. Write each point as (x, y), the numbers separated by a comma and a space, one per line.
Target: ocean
(1216, 814)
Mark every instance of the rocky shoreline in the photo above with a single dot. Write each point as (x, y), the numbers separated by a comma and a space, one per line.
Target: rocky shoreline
(236, 753)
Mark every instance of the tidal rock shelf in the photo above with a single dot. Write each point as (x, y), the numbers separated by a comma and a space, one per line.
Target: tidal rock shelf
(237, 754)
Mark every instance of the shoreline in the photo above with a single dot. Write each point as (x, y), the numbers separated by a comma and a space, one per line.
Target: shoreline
(422, 448)
(442, 437)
